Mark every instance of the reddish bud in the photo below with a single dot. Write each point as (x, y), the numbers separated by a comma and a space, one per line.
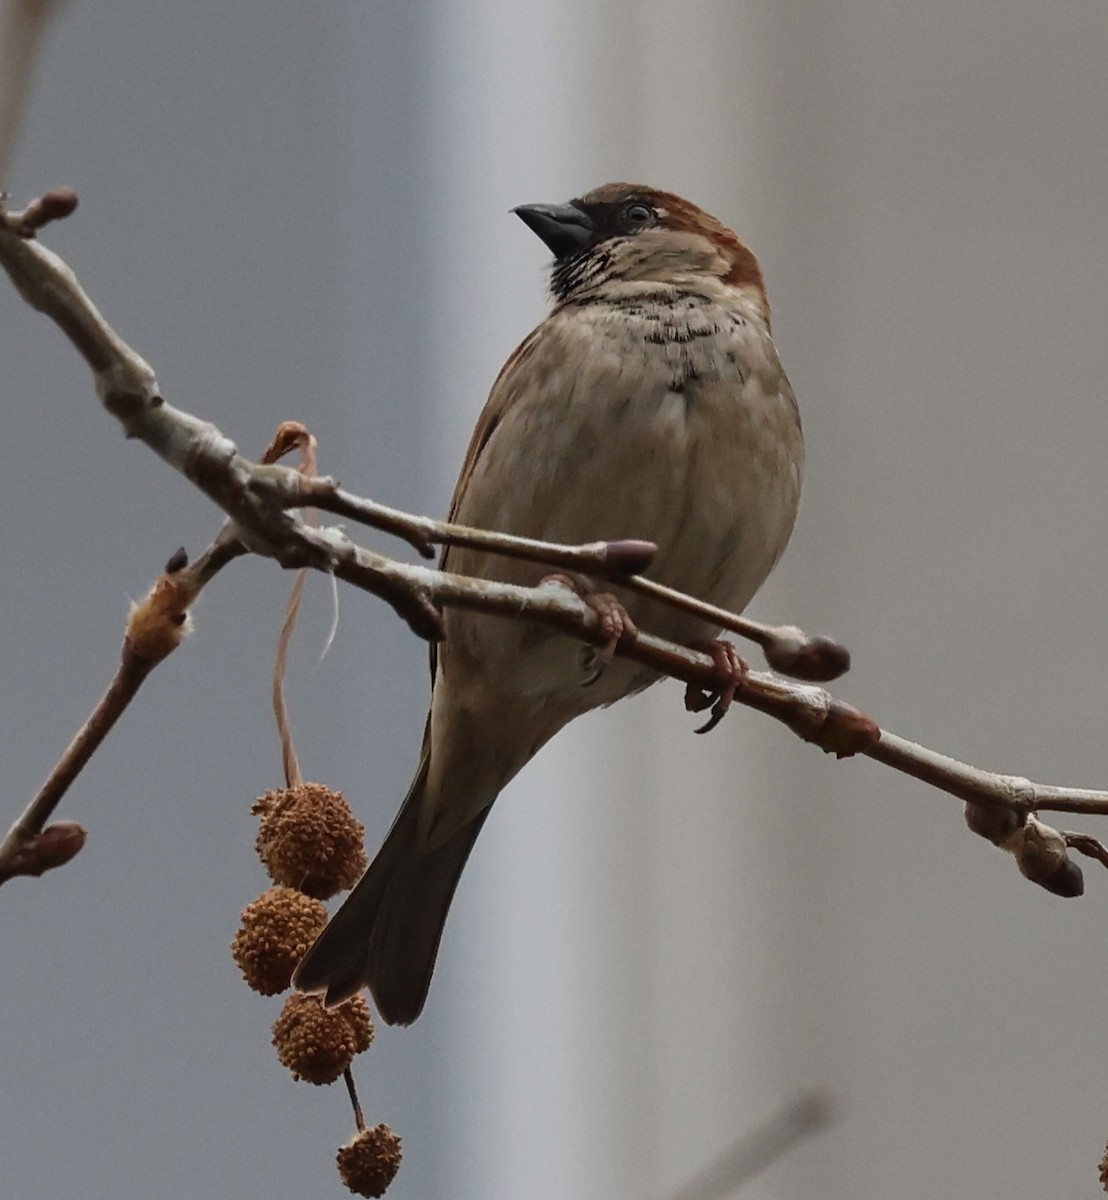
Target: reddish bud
(815, 660)
(54, 206)
(1067, 880)
(57, 844)
(629, 557)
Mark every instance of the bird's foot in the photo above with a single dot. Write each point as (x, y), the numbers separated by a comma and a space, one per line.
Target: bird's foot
(731, 672)
(614, 622)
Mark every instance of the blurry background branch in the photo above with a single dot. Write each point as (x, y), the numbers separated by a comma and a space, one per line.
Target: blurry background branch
(21, 37)
(759, 1148)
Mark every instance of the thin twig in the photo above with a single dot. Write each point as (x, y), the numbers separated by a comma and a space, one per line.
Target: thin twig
(130, 676)
(788, 649)
(355, 1103)
(607, 559)
(983, 787)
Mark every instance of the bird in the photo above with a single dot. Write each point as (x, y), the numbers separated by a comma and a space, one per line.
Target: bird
(651, 403)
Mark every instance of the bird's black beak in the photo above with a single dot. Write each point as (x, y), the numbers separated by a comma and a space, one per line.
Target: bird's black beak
(564, 228)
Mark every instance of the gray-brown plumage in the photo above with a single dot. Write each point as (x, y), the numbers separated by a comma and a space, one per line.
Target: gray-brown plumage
(650, 404)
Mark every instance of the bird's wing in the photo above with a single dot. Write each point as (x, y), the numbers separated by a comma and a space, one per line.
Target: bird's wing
(500, 398)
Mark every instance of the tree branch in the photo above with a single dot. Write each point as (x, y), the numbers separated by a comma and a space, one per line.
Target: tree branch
(261, 500)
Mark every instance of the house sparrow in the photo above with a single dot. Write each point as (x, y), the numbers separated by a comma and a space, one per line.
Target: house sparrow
(649, 404)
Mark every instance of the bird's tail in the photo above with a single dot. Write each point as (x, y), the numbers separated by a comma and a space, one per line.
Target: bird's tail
(386, 934)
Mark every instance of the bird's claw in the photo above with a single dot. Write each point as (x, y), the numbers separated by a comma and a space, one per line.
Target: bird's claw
(615, 624)
(731, 672)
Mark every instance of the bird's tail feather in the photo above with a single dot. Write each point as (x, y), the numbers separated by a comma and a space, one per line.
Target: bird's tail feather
(386, 934)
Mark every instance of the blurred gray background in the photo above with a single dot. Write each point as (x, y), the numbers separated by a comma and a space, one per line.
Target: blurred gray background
(301, 211)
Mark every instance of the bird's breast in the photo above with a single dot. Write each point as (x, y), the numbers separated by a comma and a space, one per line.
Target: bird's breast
(668, 421)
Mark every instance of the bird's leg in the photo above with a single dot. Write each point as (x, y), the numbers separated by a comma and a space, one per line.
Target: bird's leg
(731, 672)
(615, 624)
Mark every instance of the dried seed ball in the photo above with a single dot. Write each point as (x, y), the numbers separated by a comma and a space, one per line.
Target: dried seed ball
(357, 1014)
(1103, 1170)
(369, 1163)
(317, 1044)
(275, 934)
(309, 839)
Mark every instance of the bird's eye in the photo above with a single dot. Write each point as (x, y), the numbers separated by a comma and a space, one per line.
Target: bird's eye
(638, 214)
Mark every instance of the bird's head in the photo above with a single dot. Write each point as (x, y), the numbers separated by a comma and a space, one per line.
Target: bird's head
(627, 232)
